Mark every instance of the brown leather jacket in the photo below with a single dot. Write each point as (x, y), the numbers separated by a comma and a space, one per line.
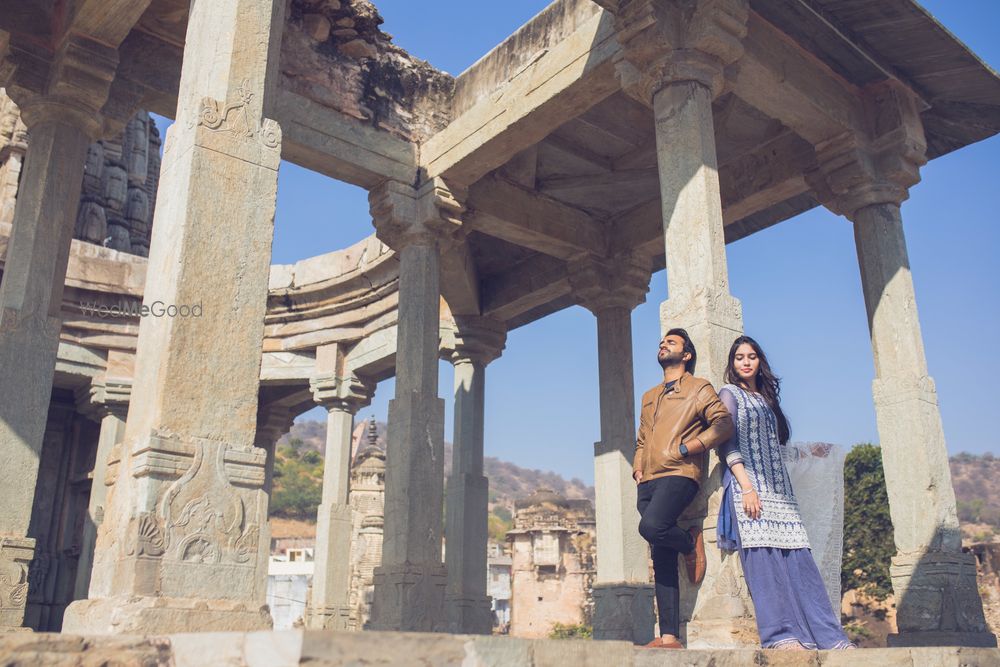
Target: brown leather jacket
(690, 414)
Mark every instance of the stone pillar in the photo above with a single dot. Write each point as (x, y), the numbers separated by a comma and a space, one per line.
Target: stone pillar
(62, 123)
(273, 421)
(623, 596)
(329, 604)
(866, 177)
(478, 341)
(180, 548)
(674, 63)
(410, 583)
(105, 400)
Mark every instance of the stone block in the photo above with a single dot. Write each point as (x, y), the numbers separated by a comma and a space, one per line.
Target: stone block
(581, 653)
(135, 615)
(624, 612)
(330, 649)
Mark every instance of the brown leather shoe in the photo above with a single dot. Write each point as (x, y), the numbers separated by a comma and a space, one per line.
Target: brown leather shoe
(695, 561)
(659, 643)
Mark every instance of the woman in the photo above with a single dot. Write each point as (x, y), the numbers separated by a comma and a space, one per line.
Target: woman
(760, 517)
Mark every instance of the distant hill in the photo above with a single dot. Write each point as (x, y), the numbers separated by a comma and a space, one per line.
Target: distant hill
(977, 491)
(508, 481)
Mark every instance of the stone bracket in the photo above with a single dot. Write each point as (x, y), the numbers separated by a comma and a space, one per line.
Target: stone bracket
(876, 164)
(664, 42)
(403, 214)
(618, 282)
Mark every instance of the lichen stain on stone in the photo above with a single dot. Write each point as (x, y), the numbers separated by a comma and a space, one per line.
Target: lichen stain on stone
(334, 53)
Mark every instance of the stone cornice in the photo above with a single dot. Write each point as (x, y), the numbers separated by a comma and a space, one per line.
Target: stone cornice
(877, 164)
(665, 42)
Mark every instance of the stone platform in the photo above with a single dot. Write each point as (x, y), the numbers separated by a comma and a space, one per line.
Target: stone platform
(327, 649)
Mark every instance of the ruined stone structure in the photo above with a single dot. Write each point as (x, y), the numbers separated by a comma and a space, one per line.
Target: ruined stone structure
(601, 142)
(553, 550)
(367, 499)
(119, 181)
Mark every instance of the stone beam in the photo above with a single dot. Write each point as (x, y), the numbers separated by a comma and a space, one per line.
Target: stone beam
(325, 140)
(107, 21)
(459, 279)
(528, 285)
(503, 210)
(772, 173)
(750, 183)
(789, 84)
(559, 84)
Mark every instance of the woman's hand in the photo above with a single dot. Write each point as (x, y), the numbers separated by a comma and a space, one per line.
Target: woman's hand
(751, 504)
(820, 450)
(637, 476)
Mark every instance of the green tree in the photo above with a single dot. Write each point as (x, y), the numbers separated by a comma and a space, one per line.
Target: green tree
(868, 543)
(298, 482)
(498, 527)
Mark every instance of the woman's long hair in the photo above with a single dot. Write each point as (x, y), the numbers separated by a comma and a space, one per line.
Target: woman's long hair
(768, 384)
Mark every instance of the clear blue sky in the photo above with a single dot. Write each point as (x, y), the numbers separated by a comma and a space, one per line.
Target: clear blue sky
(806, 308)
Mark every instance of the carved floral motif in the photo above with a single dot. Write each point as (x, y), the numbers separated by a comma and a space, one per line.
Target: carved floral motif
(237, 117)
(201, 518)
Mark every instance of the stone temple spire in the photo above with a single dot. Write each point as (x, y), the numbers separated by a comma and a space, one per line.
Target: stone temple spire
(372, 433)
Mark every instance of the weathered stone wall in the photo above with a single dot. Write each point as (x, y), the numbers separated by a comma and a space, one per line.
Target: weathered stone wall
(553, 553)
(530, 42)
(333, 52)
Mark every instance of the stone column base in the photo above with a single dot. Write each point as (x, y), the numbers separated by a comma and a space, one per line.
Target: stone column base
(162, 615)
(624, 611)
(937, 600)
(16, 554)
(409, 597)
(335, 617)
(469, 616)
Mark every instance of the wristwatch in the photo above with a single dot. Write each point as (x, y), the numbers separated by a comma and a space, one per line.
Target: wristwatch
(683, 450)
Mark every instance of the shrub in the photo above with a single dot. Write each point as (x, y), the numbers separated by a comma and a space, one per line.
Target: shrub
(578, 631)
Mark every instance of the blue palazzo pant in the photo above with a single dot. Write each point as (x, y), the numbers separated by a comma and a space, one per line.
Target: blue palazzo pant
(789, 599)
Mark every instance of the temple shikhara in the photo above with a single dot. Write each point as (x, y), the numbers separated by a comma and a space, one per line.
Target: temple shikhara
(601, 142)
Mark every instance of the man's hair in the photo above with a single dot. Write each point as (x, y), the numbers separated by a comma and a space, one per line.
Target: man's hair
(688, 347)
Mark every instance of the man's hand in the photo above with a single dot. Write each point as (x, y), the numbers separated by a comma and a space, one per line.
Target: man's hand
(637, 476)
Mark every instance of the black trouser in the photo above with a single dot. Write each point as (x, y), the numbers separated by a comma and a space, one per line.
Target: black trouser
(661, 502)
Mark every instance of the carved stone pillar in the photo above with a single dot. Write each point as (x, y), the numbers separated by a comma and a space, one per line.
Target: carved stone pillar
(180, 548)
(673, 59)
(105, 400)
(410, 583)
(329, 605)
(478, 341)
(623, 596)
(62, 123)
(866, 176)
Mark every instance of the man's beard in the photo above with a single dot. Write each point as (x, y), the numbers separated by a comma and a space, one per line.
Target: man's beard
(672, 359)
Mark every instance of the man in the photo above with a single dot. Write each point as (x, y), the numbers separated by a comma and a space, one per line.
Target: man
(680, 420)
